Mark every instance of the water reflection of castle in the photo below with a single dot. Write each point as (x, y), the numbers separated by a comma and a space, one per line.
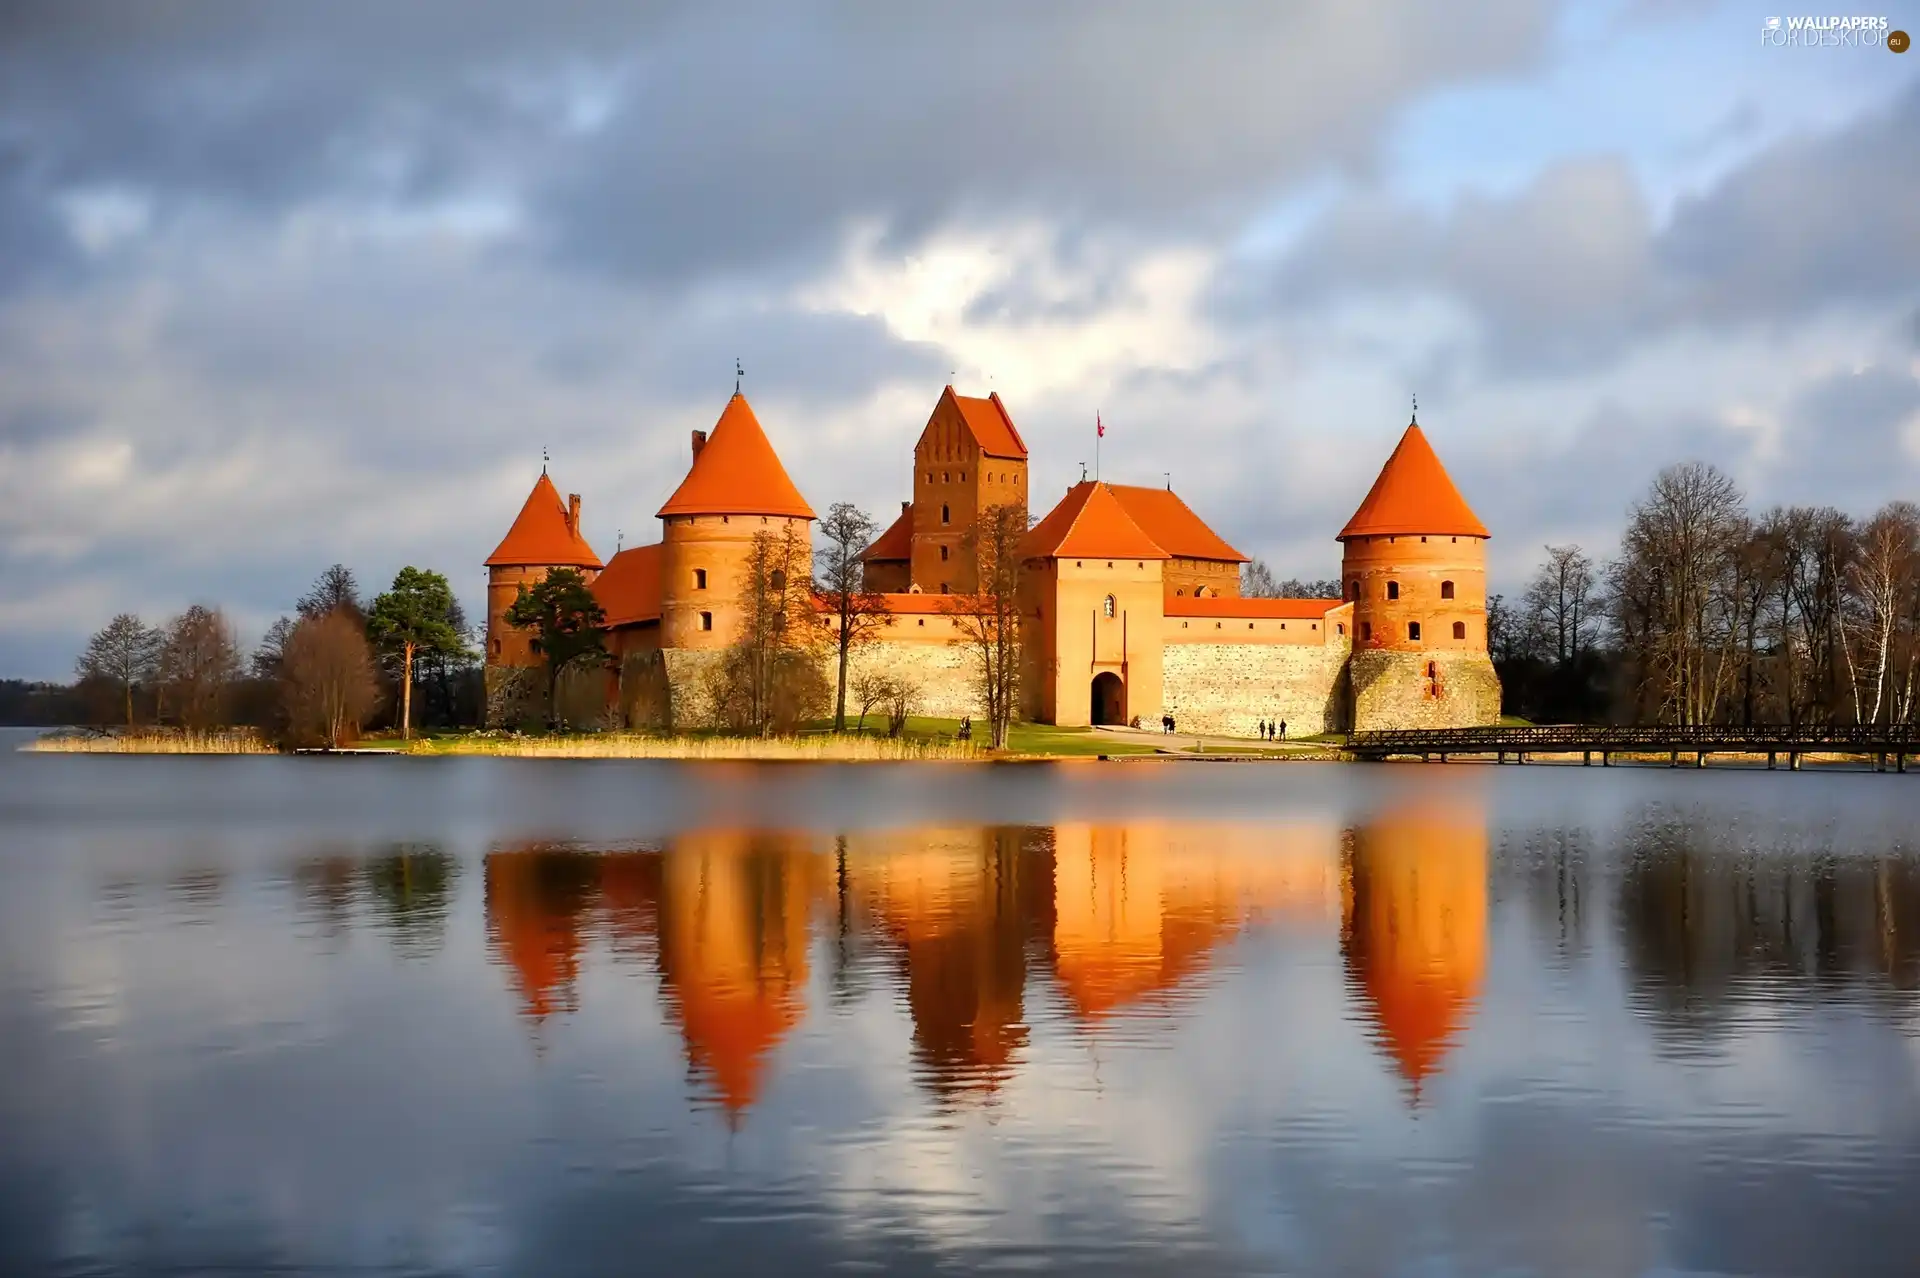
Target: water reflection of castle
(975, 924)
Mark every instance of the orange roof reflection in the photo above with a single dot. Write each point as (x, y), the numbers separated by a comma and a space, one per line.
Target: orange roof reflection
(961, 906)
(535, 902)
(1138, 910)
(734, 912)
(1415, 930)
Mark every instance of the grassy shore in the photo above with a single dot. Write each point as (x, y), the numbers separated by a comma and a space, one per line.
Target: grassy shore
(630, 745)
(152, 741)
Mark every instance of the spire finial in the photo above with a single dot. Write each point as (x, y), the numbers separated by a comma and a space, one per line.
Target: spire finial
(543, 459)
(1168, 476)
(1416, 410)
(738, 373)
(1083, 472)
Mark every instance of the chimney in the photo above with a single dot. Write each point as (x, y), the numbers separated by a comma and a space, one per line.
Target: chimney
(699, 442)
(573, 513)
(905, 506)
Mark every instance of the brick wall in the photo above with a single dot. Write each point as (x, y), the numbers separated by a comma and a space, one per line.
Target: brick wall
(1229, 687)
(1393, 690)
(945, 673)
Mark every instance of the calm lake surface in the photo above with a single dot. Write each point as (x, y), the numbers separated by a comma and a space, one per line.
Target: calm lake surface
(443, 1016)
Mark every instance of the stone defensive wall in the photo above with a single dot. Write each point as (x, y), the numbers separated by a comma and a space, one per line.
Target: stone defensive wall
(1224, 671)
(1435, 689)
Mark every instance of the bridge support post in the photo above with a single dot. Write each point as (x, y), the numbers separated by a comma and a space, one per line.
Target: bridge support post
(1606, 758)
(1502, 757)
(1700, 759)
(1793, 760)
(1770, 755)
(1586, 758)
(1522, 756)
(1880, 761)
(1900, 762)
(1673, 758)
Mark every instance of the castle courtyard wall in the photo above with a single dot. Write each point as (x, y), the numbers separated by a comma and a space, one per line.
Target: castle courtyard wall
(1229, 687)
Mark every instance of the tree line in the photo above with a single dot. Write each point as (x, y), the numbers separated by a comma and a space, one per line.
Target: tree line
(319, 676)
(1708, 612)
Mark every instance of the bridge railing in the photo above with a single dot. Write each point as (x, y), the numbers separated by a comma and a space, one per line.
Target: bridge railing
(1868, 738)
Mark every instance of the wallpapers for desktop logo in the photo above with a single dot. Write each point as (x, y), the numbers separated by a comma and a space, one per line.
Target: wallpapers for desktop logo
(1832, 32)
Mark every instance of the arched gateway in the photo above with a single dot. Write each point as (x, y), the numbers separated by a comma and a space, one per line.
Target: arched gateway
(1109, 698)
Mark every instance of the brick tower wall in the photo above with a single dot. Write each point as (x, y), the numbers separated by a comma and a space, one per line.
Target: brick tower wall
(719, 546)
(1443, 677)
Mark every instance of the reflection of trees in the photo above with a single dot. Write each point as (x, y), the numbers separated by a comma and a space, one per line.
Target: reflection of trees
(1414, 934)
(1557, 888)
(326, 887)
(1708, 929)
(413, 887)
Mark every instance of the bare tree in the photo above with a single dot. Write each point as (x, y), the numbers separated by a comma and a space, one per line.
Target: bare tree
(124, 653)
(1257, 580)
(335, 591)
(869, 689)
(841, 582)
(327, 679)
(1559, 602)
(770, 679)
(198, 665)
(1881, 583)
(989, 617)
(1672, 590)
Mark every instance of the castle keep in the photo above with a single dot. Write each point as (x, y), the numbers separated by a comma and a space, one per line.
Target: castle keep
(1130, 603)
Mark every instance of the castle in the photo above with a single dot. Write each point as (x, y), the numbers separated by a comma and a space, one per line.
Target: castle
(1130, 604)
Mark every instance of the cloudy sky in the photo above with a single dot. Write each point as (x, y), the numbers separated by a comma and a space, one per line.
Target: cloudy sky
(288, 284)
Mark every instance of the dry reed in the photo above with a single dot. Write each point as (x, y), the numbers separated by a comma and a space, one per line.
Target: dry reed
(616, 745)
(152, 741)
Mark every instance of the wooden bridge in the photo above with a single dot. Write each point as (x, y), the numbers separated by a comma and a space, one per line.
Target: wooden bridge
(1878, 743)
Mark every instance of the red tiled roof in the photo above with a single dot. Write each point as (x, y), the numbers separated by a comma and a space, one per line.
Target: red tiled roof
(737, 473)
(540, 535)
(1089, 523)
(1251, 609)
(991, 424)
(1171, 522)
(629, 589)
(896, 543)
(1413, 494)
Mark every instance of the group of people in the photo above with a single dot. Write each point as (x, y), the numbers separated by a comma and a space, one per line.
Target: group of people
(1271, 731)
(1166, 723)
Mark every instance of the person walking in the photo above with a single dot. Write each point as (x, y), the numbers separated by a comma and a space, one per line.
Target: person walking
(1283, 729)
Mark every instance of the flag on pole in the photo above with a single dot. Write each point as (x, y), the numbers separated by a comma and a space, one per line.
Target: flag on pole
(1099, 427)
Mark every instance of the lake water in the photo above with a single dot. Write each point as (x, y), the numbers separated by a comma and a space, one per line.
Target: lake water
(440, 1016)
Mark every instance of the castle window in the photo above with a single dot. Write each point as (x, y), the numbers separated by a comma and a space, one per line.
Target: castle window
(1413, 631)
(946, 514)
(1180, 593)
(1216, 625)
(1340, 627)
(943, 554)
(1108, 606)
(943, 588)
(706, 621)
(725, 519)
(1459, 630)
(1353, 588)
(929, 477)
(496, 647)
(1249, 625)
(777, 579)
(1393, 590)
(921, 622)
(1366, 632)
(1423, 541)
(946, 476)
(963, 476)
(699, 578)
(1446, 590)
(1283, 625)
(1433, 670)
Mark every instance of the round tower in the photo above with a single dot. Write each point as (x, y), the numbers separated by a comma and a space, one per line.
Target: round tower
(735, 489)
(1413, 565)
(545, 536)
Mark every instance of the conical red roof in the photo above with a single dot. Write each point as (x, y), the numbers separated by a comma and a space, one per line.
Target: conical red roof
(541, 537)
(737, 473)
(1413, 495)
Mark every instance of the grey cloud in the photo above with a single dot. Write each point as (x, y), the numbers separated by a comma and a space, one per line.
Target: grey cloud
(1843, 431)
(740, 133)
(1573, 270)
